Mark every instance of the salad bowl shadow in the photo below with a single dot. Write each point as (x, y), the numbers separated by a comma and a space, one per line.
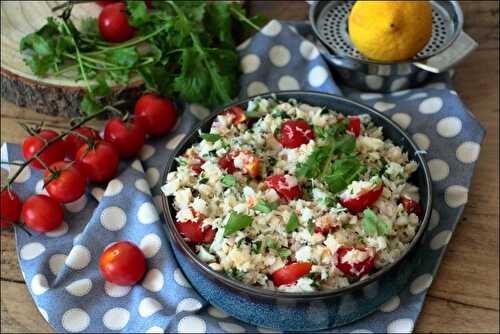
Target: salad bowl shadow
(307, 311)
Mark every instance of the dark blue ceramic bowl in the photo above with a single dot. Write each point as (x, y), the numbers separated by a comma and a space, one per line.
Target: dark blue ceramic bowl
(314, 310)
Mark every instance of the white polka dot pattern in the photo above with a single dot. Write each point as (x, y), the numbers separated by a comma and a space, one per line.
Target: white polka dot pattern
(23, 176)
(113, 218)
(147, 213)
(77, 205)
(420, 284)
(75, 320)
(431, 105)
(391, 305)
(272, 29)
(288, 82)
(422, 140)
(256, 88)
(449, 127)
(317, 76)
(78, 258)
(191, 324)
(403, 120)
(116, 291)
(56, 263)
(188, 305)
(217, 313)
(400, 326)
(279, 55)
(116, 318)
(115, 186)
(31, 251)
(250, 63)
(440, 240)
(39, 284)
(58, 232)
(456, 196)
(155, 329)
(149, 306)
(308, 50)
(150, 245)
(468, 152)
(439, 169)
(79, 288)
(153, 281)
(374, 82)
(383, 106)
(231, 328)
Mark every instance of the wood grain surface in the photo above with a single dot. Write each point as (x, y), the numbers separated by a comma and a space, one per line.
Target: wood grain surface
(465, 294)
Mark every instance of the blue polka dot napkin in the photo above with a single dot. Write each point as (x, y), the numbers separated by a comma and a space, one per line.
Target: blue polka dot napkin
(61, 267)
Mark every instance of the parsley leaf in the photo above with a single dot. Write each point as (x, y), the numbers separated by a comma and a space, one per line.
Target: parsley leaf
(236, 222)
(293, 223)
(228, 180)
(265, 207)
(344, 171)
(211, 137)
(372, 224)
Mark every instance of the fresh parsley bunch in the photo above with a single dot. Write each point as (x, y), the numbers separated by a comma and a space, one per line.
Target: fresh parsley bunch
(181, 48)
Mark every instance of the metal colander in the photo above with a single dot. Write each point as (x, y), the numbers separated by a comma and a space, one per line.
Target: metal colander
(329, 20)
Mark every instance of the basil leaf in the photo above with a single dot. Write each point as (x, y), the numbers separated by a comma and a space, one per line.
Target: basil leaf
(236, 222)
(372, 224)
(271, 244)
(211, 137)
(229, 180)
(293, 223)
(265, 207)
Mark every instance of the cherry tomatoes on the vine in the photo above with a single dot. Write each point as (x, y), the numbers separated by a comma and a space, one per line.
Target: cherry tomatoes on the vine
(55, 152)
(156, 115)
(126, 137)
(113, 23)
(75, 141)
(99, 161)
(122, 263)
(64, 182)
(42, 213)
(10, 208)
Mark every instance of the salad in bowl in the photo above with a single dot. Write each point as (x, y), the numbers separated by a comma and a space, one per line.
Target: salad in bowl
(296, 198)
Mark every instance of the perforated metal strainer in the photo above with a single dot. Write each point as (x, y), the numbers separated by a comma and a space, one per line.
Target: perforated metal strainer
(447, 46)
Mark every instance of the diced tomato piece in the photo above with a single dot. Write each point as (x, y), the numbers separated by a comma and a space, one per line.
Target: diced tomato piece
(281, 184)
(295, 133)
(325, 230)
(355, 270)
(238, 115)
(411, 206)
(354, 126)
(362, 201)
(226, 162)
(290, 273)
(193, 231)
(208, 235)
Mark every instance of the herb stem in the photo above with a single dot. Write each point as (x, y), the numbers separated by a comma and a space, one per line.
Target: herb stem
(243, 18)
(78, 58)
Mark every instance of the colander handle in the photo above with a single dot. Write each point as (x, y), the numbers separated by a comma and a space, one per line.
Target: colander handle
(454, 54)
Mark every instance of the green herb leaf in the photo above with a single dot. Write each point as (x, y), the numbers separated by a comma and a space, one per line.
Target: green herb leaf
(256, 246)
(284, 253)
(293, 223)
(90, 105)
(229, 180)
(235, 273)
(236, 223)
(210, 137)
(344, 171)
(252, 114)
(372, 224)
(265, 207)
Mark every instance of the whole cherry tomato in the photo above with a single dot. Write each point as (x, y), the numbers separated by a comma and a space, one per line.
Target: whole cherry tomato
(99, 161)
(10, 208)
(73, 141)
(290, 273)
(354, 126)
(356, 269)
(64, 182)
(122, 263)
(238, 115)
(362, 201)
(42, 213)
(285, 185)
(156, 115)
(113, 23)
(126, 137)
(411, 206)
(295, 133)
(55, 152)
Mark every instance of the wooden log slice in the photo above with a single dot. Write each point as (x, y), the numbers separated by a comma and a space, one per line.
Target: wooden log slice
(57, 96)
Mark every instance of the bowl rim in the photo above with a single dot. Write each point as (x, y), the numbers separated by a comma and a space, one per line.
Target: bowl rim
(262, 292)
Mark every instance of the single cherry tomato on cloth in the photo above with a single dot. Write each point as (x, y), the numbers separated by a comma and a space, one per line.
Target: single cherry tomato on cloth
(113, 23)
(74, 141)
(290, 273)
(55, 152)
(411, 206)
(10, 208)
(156, 115)
(354, 268)
(64, 182)
(98, 160)
(354, 126)
(127, 137)
(285, 185)
(362, 201)
(295, 133)
(122, 263)
(238, 115)
(42, 213)
(104, 3)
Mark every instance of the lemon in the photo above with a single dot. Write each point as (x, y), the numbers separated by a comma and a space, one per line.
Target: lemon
(389, 31)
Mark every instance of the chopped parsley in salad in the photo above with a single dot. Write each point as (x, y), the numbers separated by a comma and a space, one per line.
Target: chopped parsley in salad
(294, 197)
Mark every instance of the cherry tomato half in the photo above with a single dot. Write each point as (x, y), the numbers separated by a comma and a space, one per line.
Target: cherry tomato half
(99, 161)
(113, 23)
(411, 206)
(354, 126)
(126, 137)
(155, 114)
(295, 133)
(122, 263)
(362, 201)
(66, 184)
(42, 213)
(73, 141)
(238, 115)
(290, 273)
(194, 233)
(357, 269)
(285, 185)
(55, 152)
(10, 208)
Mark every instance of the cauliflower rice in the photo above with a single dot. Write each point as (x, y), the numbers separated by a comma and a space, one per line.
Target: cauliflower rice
(296, 206)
